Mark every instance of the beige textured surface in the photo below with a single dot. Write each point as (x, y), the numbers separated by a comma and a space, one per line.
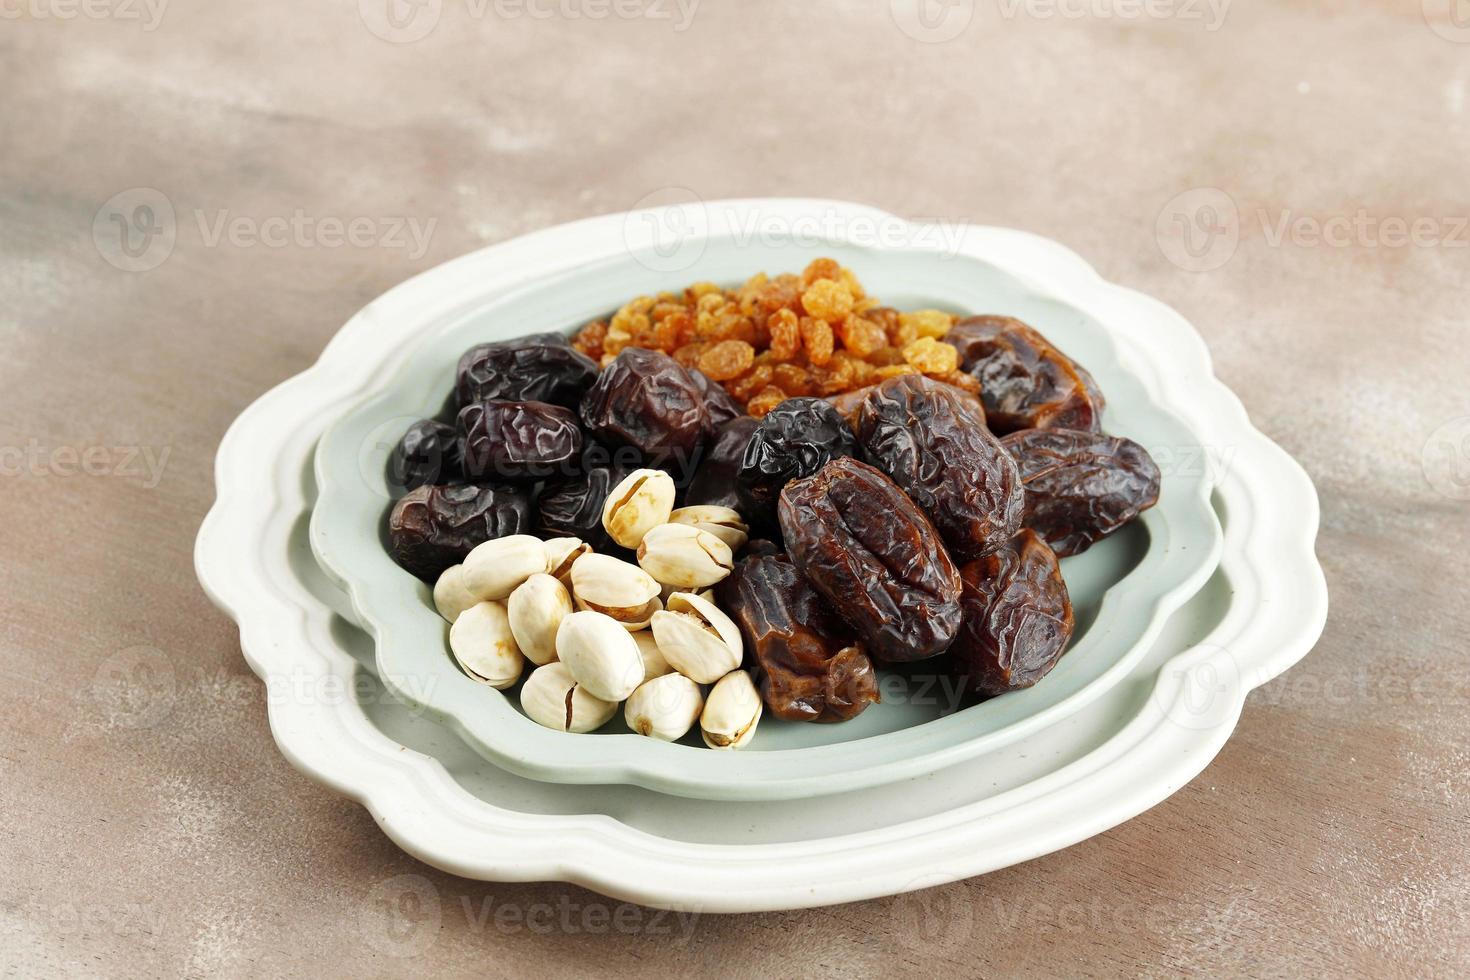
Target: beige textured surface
(1331, 833)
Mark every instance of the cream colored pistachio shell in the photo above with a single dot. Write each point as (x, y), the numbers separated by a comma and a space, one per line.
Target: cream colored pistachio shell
(608, 585)
(450, 596)
(601, 655)
(494, 569)
(643, 500)
(484, 646)
(697, 639)
(665, 707)
(654, 664)
(724, 523)
(682, 555)
(731, 712)
(560, 553)
(536, 609)
(552, 697)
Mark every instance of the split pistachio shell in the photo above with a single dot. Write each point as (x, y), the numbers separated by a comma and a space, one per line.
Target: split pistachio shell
(560, 553)
(601, 655)
(723, 522)
(552, 697)
(654, 664)
(642, 501)
(494, 569)
(697, 639)
(450, 596)
(625, 592)
(482, 643)
(683, 555)
(665, 707)
(731, 712)
(536, 609)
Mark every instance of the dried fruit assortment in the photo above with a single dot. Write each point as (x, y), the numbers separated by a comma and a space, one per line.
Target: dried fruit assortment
(586, 506)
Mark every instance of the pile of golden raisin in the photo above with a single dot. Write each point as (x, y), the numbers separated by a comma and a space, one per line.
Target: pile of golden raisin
(818, 333)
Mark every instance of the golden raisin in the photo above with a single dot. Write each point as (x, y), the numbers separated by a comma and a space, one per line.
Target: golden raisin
(886, 357)
(689, 354)
(746, 387)
(931, 356)
(589, 339)
(727, 359)
(785, 330)
(895, 370)
(792, 379)
(816, 337)
(928, 323)
(767, 399)
(827, 300)
(960, 379)
(818, 269)
(862, 336)
(853, 286)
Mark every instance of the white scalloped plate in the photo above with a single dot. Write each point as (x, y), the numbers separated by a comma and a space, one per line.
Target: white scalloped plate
(1123, 589)
(1120, 755)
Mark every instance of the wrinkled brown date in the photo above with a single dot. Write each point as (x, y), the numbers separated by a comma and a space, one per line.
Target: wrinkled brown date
(848, 402)
(806, 664)
(427, 453)
(932, 441)
(1018, 618)
(720, 406)
(646, 400)
(714, 480)
(1081, 486)
(434, 527)
(518, 440)
(1025, 382)
(542, 367)
(573, 507)
(869, 549)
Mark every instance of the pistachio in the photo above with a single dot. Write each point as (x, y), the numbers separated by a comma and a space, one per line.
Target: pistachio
(643, 500)
(625, 592)
(723, 522)
(665, 707)
(683, 555)
(654, 664)
(494, 569)
(560, 553)
(600, 654)
(536, 609)
(552, 697)
(697, 639)
(450, 596)
(731, 712)
(484, 646)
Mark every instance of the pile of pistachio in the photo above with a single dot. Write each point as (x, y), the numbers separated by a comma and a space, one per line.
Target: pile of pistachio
(601, 631)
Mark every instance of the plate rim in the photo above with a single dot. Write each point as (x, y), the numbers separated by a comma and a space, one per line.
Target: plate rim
(1269, 547)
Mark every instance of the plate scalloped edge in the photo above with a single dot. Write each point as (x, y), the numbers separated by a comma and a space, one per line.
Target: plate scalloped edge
(1196, 700)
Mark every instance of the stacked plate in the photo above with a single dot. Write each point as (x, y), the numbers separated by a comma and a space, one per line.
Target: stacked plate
(1215, 591)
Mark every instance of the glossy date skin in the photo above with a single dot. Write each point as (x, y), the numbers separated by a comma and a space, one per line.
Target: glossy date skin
(795, 439)
(647, 400)
(506, 440)
(427, 453)
(873, 554)
(719, 405)
(433, 527)
(931, 440)
(1017, 618)
(541, 367)
(1025, 381)
(806, 664)
(714, 480)
(1081, 486)
(573, 507)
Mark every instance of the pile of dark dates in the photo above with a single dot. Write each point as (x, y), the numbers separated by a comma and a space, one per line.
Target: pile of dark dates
(912, 520)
